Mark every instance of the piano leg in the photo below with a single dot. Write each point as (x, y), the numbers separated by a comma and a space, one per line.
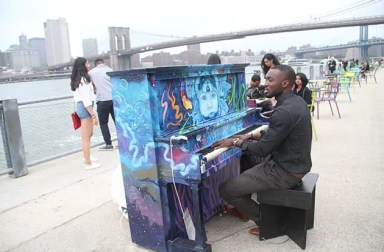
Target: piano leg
(201, 236)
(199, 244)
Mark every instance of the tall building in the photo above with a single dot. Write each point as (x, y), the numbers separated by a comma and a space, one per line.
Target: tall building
(57, 41)
(162, 59)
(23, 57)
(376, 51)
(39, 45)
(191, 57)
(5, 59)
(194, 48)
(352, 53)
(90, 47)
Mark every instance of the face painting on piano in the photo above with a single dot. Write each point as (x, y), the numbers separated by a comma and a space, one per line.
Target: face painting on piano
(207, 94)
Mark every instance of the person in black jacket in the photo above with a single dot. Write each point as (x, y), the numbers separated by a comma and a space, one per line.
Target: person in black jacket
(286, 147)
(301, 88)
(332, 65)
(255, 90)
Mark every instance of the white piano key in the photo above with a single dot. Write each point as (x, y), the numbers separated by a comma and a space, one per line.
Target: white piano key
(209, 156)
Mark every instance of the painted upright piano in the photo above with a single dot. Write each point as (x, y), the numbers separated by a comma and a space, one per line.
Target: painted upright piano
(166, 119)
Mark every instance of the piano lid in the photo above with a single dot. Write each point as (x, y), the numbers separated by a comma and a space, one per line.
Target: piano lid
(183, 97)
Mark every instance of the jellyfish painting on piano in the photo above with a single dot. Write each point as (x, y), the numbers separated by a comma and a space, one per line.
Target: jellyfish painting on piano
(211, 98)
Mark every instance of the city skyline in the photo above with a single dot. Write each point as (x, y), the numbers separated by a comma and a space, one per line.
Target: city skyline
(208, 20)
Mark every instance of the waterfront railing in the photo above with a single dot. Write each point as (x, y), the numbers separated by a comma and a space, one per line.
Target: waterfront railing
(46, 133)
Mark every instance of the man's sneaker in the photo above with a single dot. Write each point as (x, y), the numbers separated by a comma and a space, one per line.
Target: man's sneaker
(93, 159)
(94, 165)
(106, 148)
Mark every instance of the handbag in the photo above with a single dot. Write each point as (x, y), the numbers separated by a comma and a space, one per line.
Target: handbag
(76, 121)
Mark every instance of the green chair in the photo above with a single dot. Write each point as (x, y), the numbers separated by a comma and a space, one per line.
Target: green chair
(344, 84)
(311, 108)
(356, 74)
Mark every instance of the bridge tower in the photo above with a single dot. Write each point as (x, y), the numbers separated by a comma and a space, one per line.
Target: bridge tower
(363, 39)
(119, 40)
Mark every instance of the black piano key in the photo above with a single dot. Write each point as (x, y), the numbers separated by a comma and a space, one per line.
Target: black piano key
(207, 150)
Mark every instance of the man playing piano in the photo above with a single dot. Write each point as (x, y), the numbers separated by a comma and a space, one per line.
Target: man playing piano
(286, 147)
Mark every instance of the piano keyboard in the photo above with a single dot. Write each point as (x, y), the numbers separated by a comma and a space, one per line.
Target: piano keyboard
(212, 153)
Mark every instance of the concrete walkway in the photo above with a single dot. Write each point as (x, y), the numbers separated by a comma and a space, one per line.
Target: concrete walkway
(60, 206)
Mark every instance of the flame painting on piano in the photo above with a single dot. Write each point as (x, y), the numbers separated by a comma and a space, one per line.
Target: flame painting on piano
(203, 103)
(187, 102)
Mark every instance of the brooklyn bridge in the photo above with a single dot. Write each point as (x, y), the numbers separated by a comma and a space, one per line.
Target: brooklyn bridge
(121, 52)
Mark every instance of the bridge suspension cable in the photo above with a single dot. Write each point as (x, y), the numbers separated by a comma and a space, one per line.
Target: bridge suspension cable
(352, 7)
(343, 10)
(158, 35)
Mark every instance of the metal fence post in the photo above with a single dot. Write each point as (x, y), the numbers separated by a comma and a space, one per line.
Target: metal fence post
(311, 72)
(5, 143)
(13, 138)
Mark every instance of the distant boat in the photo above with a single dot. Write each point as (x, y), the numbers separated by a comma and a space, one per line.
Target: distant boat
(298, 62)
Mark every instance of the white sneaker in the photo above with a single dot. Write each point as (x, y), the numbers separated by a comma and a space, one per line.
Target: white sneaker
(124, 211)
(93, 159)
(94, 165)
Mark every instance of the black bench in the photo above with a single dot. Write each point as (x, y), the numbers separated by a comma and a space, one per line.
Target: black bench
(288, 212)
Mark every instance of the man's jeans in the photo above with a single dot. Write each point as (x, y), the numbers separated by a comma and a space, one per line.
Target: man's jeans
(104, 108)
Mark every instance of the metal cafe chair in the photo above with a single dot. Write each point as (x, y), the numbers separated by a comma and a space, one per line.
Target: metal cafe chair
(371, 73)
(316, 85)
(354, 73)
(345, 84)
(329, 94)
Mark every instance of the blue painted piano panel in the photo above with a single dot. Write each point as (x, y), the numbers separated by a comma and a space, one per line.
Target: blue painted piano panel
(204, 103)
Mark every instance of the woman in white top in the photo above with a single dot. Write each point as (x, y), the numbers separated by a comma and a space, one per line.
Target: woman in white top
(84, 96)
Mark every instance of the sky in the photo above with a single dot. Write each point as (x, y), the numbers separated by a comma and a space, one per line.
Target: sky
(175, 18)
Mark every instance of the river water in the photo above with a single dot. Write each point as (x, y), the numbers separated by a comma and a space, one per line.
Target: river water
(35, 90)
